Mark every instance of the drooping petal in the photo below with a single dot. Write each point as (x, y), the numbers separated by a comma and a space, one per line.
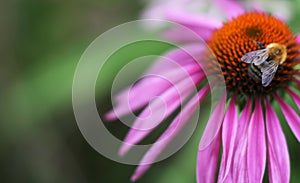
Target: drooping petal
(137, 96)
(290, 115)
(278, 155)
(214, 123)
(256, 150)
(229, 129)
(231, 8)
(158, 110)
(167, 71)
(186, 55)
(149, 87)
(153, 80)
(177, 124)
(239, 168)
(295, 96)
(208, 160)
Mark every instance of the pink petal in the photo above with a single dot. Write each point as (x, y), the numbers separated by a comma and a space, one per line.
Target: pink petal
(201, 25)
(214, 123)
(295, 96)
(239, 167)
(208, 161)
(256, 151)
(177, 124)
(193, 20)
(170, 75)
(180, 34)
(145, 90)
(158, 110)
(240, 170)
(278, 155)
(290, 115)
(169, 69)
(136, 97)
(157, 9)
(186, 55)
(244, 120)
(229, 129)
(298, 38)
(231, 8)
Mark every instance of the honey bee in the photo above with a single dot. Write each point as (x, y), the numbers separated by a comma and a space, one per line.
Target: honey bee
(265, 62)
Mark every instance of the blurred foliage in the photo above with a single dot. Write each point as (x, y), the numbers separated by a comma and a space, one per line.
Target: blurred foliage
(41, 42)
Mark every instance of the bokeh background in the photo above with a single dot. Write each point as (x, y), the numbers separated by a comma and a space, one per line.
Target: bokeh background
(41, 42)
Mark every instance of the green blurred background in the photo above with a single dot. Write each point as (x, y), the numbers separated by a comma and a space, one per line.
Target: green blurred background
(41, 43)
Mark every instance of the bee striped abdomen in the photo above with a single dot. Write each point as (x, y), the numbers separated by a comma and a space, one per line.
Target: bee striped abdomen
(254, 72)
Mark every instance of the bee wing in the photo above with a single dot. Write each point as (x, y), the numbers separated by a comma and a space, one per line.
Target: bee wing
(268, 70)
(257, 57)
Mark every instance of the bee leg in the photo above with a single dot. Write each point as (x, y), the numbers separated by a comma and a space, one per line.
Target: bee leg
(260, 45)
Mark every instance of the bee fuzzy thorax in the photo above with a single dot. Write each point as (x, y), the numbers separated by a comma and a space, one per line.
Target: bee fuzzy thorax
(277, 52)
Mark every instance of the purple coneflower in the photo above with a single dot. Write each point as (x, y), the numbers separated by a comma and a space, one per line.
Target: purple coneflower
(248, 130)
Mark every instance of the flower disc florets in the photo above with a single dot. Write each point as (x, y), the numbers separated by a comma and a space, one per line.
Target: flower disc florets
(239, 37)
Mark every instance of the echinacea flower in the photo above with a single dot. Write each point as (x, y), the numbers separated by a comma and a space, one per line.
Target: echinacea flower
(248, 130)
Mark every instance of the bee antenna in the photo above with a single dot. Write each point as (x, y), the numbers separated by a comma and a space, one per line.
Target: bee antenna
(259, 44)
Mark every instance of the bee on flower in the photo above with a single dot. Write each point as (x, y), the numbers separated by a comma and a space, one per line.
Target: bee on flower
(258, 56)
(264, 62)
